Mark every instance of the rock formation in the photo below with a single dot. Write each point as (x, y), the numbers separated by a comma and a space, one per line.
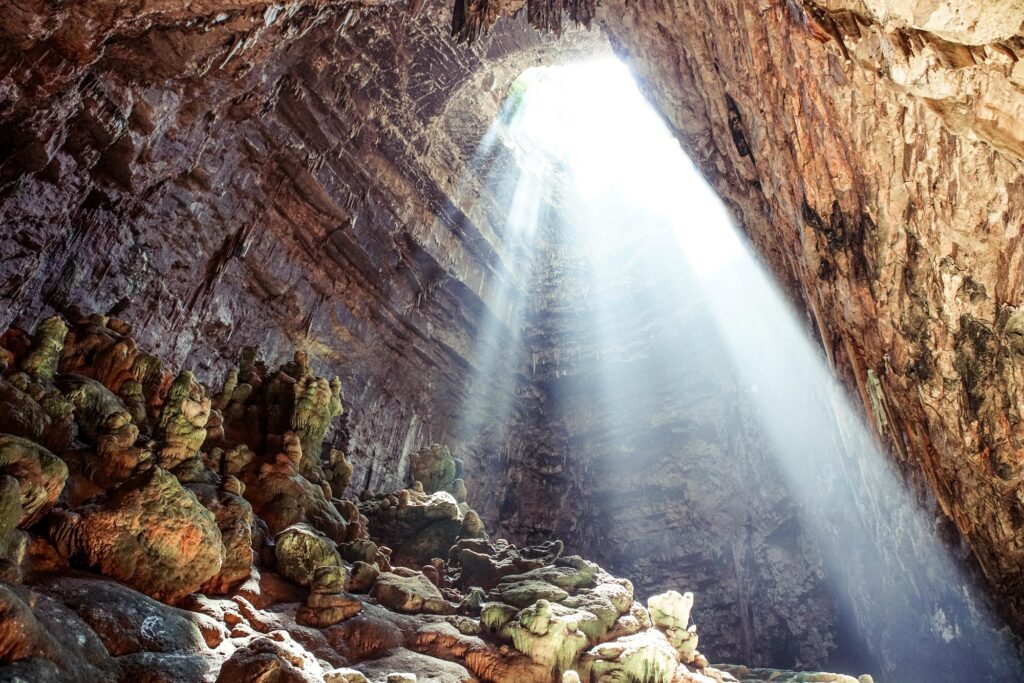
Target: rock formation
(257, 602)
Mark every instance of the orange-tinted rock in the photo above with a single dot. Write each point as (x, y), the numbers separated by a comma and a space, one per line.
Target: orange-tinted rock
(40, 475)
(149, 533)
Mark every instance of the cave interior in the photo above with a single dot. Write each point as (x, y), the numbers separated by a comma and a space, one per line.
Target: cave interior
(512, 341)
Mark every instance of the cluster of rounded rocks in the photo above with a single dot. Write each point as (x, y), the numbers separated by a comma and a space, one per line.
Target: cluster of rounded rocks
(156, 529)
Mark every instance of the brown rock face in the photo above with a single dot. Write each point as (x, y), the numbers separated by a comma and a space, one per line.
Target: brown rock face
(223, 174)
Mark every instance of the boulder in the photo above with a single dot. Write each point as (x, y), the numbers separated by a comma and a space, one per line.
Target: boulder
(411, 593)
(548, 634)
(275, 657)
(149, 533)
(646, 656)
(40, 475)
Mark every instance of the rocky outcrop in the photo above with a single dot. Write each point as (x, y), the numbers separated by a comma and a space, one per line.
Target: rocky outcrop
(150, 533)
(260, 605)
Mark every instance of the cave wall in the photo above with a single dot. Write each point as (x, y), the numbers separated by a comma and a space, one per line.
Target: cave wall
(260, 174)
(871, 151)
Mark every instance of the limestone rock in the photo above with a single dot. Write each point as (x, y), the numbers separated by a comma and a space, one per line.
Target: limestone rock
(645, 656)
(94, 403)
(670, 610)
(235, 521)
(338, 472)
(525, 592)
(182, 426)
(39, 473)
(317, 402)
(281, 496)
(301, 550)
(418, 526)
(276, 657)
(548, 634)
(47, 346)
(404, 666)
(326, 605)
(127, 621)
(411, 593)
(345, 676)
(47, 421)
(149, 533)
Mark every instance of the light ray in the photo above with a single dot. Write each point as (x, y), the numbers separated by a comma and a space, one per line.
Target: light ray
(586, 129)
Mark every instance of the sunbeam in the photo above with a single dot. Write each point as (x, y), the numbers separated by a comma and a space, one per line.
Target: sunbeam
(596, 167)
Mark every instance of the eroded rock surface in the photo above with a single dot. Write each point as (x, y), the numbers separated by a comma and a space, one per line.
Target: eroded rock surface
(257, 605)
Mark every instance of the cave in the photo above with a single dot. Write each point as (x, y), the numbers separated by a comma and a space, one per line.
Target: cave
(512, 341)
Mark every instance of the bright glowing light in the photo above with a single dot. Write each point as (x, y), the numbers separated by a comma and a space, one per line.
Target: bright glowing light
(585, 140)
(591, 118)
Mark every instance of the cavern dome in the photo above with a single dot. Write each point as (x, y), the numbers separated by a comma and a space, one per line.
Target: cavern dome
(512, 341)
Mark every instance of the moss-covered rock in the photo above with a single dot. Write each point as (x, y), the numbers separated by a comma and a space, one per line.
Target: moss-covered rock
(548, 634)
(182, 426)
(326, 605)
(645, 657)
(41, 361)
(525, 592)
(300, 550)
(149, 533)
(671, 609)
(94, 403)
(670, 613)
(317, 402)
(40, 475)
(411, 593)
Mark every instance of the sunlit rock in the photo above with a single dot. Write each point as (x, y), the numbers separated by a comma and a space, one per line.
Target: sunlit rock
(148, 532)
(410, 592)
(645, 656)
(274, 657)
(548, 633)
(670, 613)
(418, 526)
